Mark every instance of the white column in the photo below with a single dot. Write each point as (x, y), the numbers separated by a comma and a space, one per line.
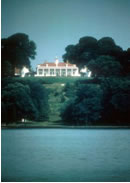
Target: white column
(49, 71)
(60, 71)
(71, 72)
(54, 71)
(66, 71)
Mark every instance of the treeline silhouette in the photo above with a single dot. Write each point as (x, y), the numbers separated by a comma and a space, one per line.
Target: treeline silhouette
(103, 57)
(104, 100)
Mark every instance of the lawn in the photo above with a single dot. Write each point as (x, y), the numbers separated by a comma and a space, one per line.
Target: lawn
(51, 80)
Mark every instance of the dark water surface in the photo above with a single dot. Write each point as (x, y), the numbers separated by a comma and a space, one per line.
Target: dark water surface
(65, 155)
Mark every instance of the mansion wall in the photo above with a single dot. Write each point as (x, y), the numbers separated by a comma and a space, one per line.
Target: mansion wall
(57, 69)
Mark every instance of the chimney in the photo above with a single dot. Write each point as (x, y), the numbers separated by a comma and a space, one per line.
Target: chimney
(67, 63)
(56, 61)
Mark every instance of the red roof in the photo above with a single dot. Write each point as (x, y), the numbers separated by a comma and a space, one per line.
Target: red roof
(17, 71)
(60, 64)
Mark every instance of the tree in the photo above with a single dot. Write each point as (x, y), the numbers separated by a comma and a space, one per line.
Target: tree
(82, 52)
(39, 96)
(125, 62)
(86, 108)
(116, 101)
(17, 50)
(105, 66)
(107, 46)
(23, 98)
(17, 102)
(71, 54)
(90, 48)
(6, 68)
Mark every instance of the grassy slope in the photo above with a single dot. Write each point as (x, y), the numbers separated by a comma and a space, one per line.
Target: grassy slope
(52, 80)
(55, 101)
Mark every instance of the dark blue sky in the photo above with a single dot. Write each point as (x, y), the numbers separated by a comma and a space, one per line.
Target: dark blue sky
(54, 24)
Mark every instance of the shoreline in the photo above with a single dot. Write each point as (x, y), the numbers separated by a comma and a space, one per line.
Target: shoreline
(65, 127)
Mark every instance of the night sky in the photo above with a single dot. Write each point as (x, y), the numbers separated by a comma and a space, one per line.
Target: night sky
(54, 24)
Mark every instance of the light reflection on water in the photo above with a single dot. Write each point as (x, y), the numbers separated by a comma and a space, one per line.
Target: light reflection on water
(65, 155)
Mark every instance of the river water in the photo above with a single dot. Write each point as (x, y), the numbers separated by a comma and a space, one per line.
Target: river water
(61, 155)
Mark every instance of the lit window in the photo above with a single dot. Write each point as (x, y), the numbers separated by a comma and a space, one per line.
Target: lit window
(74, 71)
(63, 72)
(57, 72)
(51, 72)
(40, 71)
(45, 72)
(69, 72)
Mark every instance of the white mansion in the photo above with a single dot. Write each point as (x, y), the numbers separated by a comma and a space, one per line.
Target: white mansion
(57, 69)
(54, 69)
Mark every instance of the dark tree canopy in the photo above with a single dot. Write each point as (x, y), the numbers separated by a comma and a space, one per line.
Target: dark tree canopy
(85, 108)
(125, 62)
(104, 103)
(116, 101)
(90, 48)
(107, 46)
(82, 52)
(23, 98)
(105, 66)
(17, 102)
(17, 50)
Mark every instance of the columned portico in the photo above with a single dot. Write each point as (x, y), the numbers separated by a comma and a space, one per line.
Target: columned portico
(57, 69)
